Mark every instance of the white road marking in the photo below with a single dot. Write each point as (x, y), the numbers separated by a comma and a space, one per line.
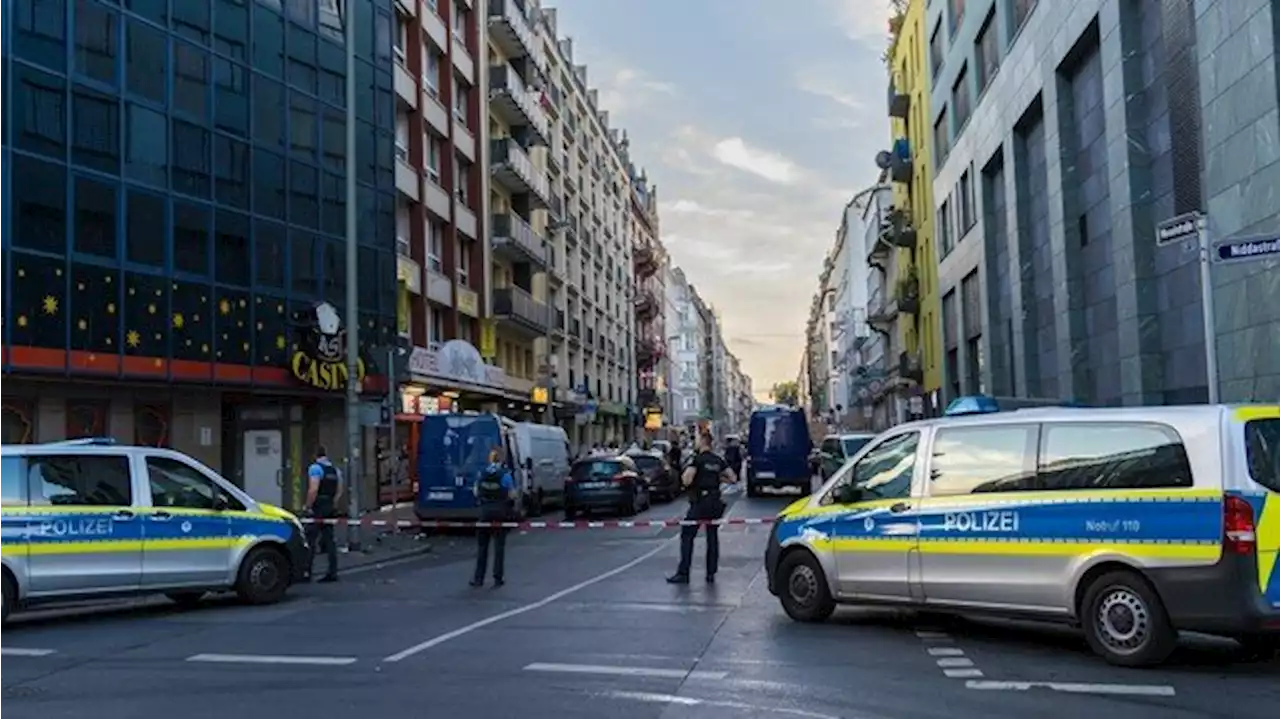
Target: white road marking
(461, 631)
(24, 652)
(1148, 690)
(934, 636)
(962, 673)
(653, 698)
(945, 652)
(271, 659)
(955, 662)
(624, 671)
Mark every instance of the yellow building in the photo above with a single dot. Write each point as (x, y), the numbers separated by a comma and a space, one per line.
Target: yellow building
(908, 100)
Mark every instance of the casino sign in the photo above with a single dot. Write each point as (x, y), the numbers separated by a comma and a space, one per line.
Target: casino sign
(321, 361)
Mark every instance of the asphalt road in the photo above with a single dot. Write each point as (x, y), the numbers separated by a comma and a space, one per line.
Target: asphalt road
(586, 627)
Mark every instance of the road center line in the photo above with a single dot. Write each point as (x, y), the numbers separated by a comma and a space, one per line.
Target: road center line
(461, 631)
(654, 698)
(624, 671)
(1148, 690)
(24, 652)
(271, 659)
(945, 652)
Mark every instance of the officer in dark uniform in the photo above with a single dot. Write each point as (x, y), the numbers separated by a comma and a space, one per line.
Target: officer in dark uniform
(496, 492)
(702, 479)
(733, 455)
(324, 492)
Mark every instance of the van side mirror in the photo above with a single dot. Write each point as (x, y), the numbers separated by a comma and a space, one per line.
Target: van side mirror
(848, 494)
(220, 503)
(528, 462)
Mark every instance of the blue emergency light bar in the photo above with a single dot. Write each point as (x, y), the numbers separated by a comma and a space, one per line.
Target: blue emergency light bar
(85, 442)
(983, 404)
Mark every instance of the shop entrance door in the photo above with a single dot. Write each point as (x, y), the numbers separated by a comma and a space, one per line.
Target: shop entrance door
(262, 460)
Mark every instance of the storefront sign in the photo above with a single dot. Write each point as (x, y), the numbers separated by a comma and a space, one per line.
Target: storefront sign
(488, 339)
(455, 361)
(409, 273)
(468, 303)
(322, 360)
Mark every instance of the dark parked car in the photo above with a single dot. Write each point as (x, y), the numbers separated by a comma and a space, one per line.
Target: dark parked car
(664, 482)
(605, 482)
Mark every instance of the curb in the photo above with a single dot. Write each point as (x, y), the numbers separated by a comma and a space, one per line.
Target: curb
(388, 558)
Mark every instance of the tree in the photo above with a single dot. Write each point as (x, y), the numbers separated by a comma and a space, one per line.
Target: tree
(786, 393)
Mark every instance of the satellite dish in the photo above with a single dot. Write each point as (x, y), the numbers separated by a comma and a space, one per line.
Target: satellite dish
(883, 159)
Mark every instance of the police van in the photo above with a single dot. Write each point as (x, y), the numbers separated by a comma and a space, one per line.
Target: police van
(90, 518)
(1131, 523)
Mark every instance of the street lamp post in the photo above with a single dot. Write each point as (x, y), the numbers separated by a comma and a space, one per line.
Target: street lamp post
(352, 296)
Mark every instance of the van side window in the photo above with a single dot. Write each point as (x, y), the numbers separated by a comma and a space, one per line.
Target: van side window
(1112, 456)
(1262, 449)
(970, 460)
(175, 484)
(80, 480)
(883, 473)
(13, 485)
(831, 446)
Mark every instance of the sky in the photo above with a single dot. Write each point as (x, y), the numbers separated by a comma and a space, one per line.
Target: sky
(757, 121)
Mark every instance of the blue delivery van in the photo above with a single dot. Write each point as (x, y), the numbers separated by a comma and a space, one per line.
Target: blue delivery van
(778, 447)
(452, 450)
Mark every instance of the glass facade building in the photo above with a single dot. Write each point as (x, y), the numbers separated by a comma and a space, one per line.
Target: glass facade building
(174, 189)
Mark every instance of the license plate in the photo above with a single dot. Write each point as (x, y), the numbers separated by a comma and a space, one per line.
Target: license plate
(593, 485)
(765, 475)
(442, 496)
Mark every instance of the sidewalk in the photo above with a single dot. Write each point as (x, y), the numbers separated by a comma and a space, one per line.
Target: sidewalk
(382, 544)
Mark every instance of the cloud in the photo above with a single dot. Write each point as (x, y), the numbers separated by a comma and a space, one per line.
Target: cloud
(627, 89)
(836, 89)
(862, 19)
(735, 152)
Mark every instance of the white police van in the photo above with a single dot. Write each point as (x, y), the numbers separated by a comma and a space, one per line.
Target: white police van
(1133, 523)
(90, 518)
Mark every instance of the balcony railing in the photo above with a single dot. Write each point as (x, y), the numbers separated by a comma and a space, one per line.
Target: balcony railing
(511, 232)
(516, 104)
(512, 31)
(513, 168)
(519, 306)
(899, 102)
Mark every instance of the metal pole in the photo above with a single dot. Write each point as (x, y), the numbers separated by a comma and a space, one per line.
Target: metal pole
(1206, 309)
(353, 314)
(392, 391)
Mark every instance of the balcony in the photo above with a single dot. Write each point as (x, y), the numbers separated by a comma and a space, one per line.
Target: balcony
(897, 229)
(515, 104)
(899, 102)
(647, 305)
(910, 367)
(517, 308)
(879, 254)
(649, 352)
(645, 261)
(556, 208)
(575, 331)
(882, 312)
(511, 30)
(514, 239)
(901, 167)
(558, 322)
(513, 169)
(907, 294)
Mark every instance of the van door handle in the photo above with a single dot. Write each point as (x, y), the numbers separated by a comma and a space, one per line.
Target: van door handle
(161, 516)
(900, 507)
(123, 515)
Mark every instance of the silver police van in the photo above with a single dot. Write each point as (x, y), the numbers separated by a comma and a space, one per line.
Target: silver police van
(89, 518)
(1131, 523)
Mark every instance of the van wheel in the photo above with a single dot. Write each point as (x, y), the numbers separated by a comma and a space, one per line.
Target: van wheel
(263, 576)
(10, 597)
(753, 492)
(185, 599)
(1125, 622)
(803, 588)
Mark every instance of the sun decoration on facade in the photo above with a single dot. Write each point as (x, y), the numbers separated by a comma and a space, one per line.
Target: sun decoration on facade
(178, 320)
(224, 307)
(132, 338)
(49, 305)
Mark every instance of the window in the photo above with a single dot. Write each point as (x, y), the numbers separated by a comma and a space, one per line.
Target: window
(304, 262)
(960, 105)
(462, 176)
(302, 12)
(231, 248)
(176, 484)
(231, 97)
(957, 14)
(302, 126)
(1112, 456)
(190, 238)
(382, 35)
(268, 184)
(95, 217)
(935, 50)
(80, 481)
(885, 472)
(155, 10)
(1021, 9)
(192, 20)
(1262, 451)
(95, 130)
(402, 137)
(268, 41)
(435, 149)
(41, 35)
(460, 21)
(967, 218)
(41, 124)
(435, 327)
(41, 204)
(146, 61)
(463, 251)
(986, 52)
(435, 245)
(190, 80)
(400, 37)
(13, 470)
(941, 138)
(191, 160)
(231, 171)
(271, 254)
(146, 220)
(944, 226)
(431, 75)
(304, 195)
(268, 118)
(146, 145)
(333, 140)
(851, 445)
(461, 96)
(97, 47)
(333, 204)
(971, 460)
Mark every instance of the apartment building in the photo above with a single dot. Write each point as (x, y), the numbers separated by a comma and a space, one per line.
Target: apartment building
(848, 330)
(649, 301)
(437, 72)
(590, 192)
(685, 335)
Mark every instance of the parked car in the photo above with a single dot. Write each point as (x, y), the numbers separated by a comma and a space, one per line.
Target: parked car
(605, 482)
(664, 482)
(836, 449)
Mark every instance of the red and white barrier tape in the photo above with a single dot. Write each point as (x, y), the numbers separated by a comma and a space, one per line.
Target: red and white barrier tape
(577, 524)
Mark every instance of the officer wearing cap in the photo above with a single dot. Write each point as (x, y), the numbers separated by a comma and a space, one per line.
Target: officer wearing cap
(702, 479)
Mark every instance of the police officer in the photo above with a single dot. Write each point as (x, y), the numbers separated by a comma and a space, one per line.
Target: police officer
(733, 455)
(702, 478)
(496, 491)
(324, 494)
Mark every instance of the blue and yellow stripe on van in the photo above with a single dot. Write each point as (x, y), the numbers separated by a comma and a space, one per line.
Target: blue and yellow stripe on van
(56, 530)
(1266, 510)
(1171, 525)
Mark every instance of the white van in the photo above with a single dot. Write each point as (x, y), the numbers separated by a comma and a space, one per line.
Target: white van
(542, 462)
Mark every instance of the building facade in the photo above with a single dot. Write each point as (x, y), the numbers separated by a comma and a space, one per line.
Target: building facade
(651, 341)
(685, 335)
(1063, 134)
(174, 251)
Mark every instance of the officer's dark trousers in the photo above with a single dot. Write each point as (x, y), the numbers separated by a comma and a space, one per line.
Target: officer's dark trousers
(318, 533)
(499, 539)
(701, 509)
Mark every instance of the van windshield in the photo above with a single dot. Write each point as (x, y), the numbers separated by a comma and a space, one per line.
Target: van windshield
(1262, 448)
